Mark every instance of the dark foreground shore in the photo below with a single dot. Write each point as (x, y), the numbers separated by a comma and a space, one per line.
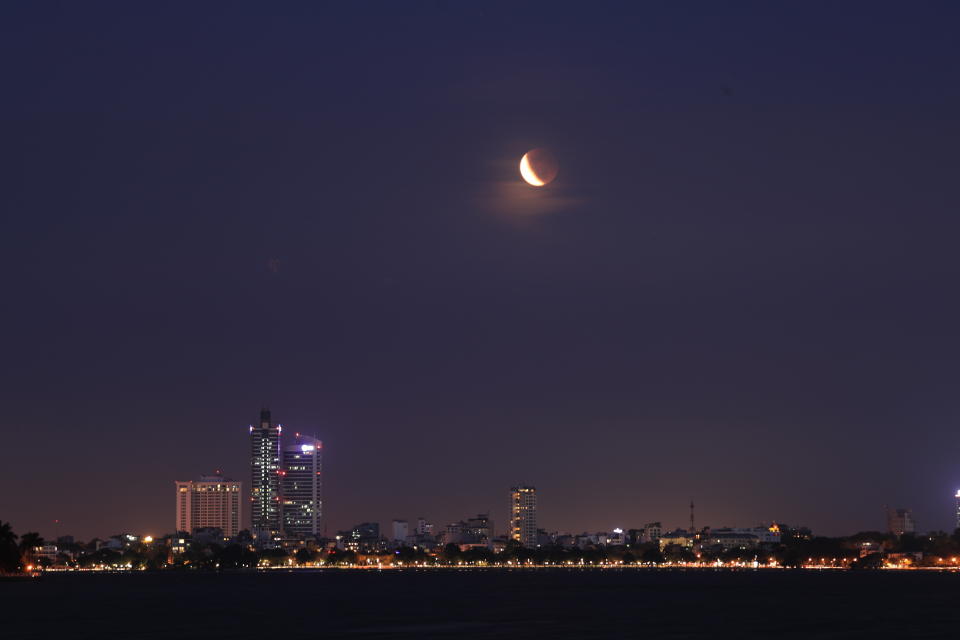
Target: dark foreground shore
(552, 603)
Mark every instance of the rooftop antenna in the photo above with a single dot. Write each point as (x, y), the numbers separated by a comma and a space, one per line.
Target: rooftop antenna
(692, 527)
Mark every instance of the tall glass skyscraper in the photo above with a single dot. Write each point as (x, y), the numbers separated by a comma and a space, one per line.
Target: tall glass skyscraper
(300, 483)
(265, 468)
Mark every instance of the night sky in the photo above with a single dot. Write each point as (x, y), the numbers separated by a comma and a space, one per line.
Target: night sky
(741, 288)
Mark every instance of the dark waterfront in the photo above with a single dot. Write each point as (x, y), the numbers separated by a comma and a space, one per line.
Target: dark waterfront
(485, 604)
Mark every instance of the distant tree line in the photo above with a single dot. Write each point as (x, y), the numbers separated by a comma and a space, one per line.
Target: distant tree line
(797, 548)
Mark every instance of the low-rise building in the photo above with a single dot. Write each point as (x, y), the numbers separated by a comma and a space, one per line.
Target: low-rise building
(424, 528)
(565, 540)
(900, 521)
(730, 539)
(741, 537)
(363, 538)
(617, 537)
(473, 532)
(680, 537)
(179, 544)
(47, 553)
(651, 532)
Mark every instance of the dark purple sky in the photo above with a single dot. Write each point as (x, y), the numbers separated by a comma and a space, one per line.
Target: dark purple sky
(742, 287)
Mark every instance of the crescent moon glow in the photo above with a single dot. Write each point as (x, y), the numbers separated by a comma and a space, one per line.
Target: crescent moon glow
(528, 173)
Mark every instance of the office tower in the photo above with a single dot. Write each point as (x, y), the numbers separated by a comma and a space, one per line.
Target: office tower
(400, 530)
(958, 508)
(900, 521)
(300, 483)
(265, 468)
(212, 501)
(523, 515)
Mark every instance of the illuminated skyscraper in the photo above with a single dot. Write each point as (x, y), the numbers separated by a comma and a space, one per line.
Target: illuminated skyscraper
(523, 515)
(213, 501)
(958, 508)
(265, 468)
(300, 483)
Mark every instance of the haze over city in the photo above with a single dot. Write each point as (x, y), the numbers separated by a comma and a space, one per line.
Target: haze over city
(738, 288)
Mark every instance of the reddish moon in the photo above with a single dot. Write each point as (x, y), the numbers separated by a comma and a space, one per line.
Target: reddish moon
(538, 167)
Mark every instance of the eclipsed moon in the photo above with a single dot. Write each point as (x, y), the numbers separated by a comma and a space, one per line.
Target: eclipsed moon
(538, 167)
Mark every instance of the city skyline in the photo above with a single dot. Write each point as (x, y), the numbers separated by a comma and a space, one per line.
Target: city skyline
(290, 472)
(717, 512)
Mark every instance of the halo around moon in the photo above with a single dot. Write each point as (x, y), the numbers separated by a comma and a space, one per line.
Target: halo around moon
(538, 167)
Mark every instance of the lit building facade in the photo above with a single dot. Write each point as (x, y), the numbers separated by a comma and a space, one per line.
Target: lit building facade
(265, 470)
(523, 515)
(211, 502)
(300, 484)
(679, 537)
(738, 537)
(728, 539)
(365, 537)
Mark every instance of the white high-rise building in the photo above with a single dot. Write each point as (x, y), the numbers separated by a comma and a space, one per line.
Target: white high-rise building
(212, 501)
(300, 484)
(400, 531)
(523, 515)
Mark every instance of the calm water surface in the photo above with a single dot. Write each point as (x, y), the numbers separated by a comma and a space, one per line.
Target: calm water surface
(484, 604)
